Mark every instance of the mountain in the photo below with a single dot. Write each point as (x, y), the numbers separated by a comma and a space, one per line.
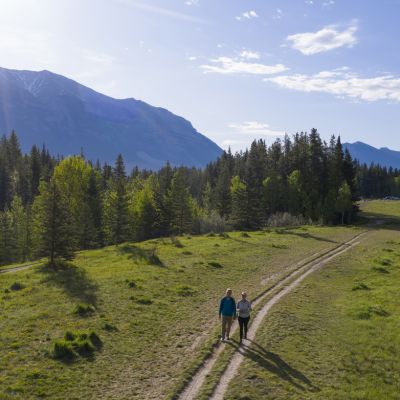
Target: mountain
(43, 107)
(368, 154)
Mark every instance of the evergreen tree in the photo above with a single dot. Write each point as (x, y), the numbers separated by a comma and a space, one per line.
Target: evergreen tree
(116, 217)
(180, 204)
(53, 234)
(239, 215)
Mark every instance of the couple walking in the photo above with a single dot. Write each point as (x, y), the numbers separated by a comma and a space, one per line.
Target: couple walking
(228, 310)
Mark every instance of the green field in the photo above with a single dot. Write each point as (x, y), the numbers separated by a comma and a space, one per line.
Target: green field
(338, 335)
(155, 310)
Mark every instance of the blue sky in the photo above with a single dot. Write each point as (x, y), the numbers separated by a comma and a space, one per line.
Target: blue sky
(237, 69)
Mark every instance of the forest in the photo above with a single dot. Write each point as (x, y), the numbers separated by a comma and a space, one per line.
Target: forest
(54, 206)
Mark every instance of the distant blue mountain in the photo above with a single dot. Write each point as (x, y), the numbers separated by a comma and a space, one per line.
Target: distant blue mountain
(43, 107)
(369, 154)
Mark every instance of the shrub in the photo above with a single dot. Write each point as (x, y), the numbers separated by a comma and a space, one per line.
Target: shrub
(132, 284)
(380, 269)
(279, 246)
(76, 343)
(214, 264)
(176, 242)
(184, 290)
(187, 253)
(286, 219)
(69, 336)
(216, 245)
(360, 286)
(84, 310)
(145, 301)
(63, 350)
(109, 327)
(17, 286)
(244, 234)
(211, 223)
(224, 235)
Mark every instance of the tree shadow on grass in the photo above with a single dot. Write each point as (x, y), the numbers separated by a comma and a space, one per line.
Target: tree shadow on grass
(73, 280)
(276, 365)
(137, 253)
(305, 235)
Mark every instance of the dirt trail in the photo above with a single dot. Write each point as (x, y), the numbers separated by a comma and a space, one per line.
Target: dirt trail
(18, 268)
(283, 287)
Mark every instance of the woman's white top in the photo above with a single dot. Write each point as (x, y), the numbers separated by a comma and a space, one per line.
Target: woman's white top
(244, 308)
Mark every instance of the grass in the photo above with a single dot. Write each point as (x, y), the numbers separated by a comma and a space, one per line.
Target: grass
(337, 335)
(155, 310)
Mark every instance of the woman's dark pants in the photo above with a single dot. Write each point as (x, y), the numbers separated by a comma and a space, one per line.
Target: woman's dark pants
(243, 322)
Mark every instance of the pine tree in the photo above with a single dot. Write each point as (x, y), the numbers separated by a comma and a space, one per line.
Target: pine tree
(239, 215)
(116, 216)
(180, 204)
(53, 234)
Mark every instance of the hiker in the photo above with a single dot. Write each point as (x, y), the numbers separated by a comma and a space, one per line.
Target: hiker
(244, 309)
(227, 314)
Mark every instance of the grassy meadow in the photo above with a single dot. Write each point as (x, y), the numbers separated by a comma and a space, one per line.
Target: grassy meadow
(337, 336)
(134, 321)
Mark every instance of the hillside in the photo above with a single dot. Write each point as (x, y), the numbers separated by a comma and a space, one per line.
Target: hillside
(369, 154)
(43, 107)
(156, 317)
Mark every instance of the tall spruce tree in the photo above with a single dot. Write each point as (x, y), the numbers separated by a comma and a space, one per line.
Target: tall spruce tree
(53, 234)
(116, 217)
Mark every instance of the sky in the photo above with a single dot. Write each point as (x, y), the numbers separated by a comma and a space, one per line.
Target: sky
(237, 69)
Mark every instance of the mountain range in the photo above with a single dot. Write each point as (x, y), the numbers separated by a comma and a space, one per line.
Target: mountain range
(368, 154)
(43, 107)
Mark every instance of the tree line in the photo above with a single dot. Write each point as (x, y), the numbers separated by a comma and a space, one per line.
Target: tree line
(53, 206)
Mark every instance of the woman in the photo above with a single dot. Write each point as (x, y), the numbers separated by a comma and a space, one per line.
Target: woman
(244, 309)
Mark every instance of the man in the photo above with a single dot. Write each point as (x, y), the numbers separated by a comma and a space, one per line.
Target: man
(244, 309)
(227, 314)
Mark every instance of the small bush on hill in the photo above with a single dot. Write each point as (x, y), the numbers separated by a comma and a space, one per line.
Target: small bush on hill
(131, 284)
(109, 327)
(17, 286)
(380, 269)
(244, 234)
(76, 343)
(184, 290)
(360, 286)
(214, 264)
(84, 310)
(145, 301)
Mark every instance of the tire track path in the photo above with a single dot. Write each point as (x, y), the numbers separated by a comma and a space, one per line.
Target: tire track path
(282, 287)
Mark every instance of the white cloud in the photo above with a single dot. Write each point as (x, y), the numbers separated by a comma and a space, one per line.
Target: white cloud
(278, 14)
(326, 39)
(192, 58)
(343, 84)
(192, 2)
(255, 128)
(247, 15)
(250, 55)
(328, 3)
(227, 65)
(309, 2)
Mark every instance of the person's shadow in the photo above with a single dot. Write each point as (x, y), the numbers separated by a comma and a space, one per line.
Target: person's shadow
(275, 364)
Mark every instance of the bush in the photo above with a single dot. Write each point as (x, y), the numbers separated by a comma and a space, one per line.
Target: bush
(176, 242)
(76, 343)
(184, 290)
(17, 286)
(214, 264)
(286, 219)
(132, 284)
(187, 253)
(380, 269)
(84, 310)
(63, 350)
(360, 286)
(145, 301)
(210, 223)
(244, 234)
(109, 327)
